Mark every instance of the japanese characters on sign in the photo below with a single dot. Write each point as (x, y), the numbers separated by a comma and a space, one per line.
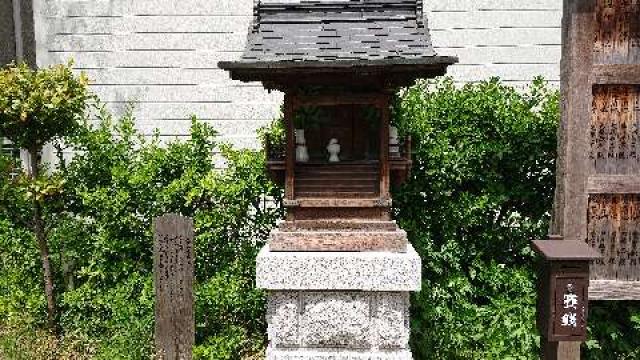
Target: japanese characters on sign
(570, 316)
(569, 320)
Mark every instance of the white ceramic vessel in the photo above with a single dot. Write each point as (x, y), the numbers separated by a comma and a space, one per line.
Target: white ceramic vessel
(302, 153)
(334, 150)
(394, 147)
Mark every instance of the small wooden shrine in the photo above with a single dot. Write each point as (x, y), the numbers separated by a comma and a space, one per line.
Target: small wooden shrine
(338, 271)
(338, 64)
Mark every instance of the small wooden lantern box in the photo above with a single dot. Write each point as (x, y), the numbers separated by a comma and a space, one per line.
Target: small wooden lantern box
(563, 288)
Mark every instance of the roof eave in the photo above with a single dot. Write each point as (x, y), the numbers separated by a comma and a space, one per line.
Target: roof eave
(392, 72)
(338, 64)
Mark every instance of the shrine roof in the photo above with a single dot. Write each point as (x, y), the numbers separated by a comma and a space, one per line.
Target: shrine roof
(338, 33)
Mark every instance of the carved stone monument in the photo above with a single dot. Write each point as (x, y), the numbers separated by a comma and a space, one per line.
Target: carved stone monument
(173, 267)
(338, 271)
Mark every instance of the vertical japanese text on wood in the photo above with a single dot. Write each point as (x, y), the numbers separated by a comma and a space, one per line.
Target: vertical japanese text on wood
(173, 279)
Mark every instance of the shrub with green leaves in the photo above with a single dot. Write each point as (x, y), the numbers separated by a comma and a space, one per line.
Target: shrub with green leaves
(39, 105)
(481, 188)
(116, 183)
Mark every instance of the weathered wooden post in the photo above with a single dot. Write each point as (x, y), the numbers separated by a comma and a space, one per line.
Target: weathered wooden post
(598, 188)
(173, 265)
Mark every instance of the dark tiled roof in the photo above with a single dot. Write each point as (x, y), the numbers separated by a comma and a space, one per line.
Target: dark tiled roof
(339, 30)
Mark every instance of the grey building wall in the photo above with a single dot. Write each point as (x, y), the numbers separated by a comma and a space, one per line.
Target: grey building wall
(162, 54)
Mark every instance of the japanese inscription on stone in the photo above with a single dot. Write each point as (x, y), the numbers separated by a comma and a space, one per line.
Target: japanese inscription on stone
(173, 278)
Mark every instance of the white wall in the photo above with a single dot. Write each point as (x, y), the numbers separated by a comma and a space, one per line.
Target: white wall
(163, 53)
(516, 40)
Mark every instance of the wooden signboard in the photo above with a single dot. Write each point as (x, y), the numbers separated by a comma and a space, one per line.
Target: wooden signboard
(563, 287)
(598, 187)
(173, 265)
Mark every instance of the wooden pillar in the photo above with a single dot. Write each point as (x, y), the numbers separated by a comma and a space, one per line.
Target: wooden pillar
(576, 92)
(385, 114)
(290, 155)
(173, 268)
(560, 350)
(570, 220)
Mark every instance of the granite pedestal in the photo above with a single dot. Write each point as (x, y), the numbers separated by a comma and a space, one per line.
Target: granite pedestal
(338, 305)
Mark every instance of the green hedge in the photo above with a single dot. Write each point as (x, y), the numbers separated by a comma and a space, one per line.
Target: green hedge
(481, 189)
(101, 245)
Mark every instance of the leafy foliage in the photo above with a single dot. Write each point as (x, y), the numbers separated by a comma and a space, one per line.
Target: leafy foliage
(614, 329)
(14, 204)
(114, 186)
(274, 138)
(39, 105)
(480, 190)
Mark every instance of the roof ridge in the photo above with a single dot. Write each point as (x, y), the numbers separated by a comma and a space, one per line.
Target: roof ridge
(336, 10)
(316, 4)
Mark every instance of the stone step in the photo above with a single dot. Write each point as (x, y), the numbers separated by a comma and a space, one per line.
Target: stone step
(338, 225)
(394, 241)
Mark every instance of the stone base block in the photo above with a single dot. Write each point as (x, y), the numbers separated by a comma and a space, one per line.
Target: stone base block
(338, 305)
(365, 271)
(338, 319)
(337, 354)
